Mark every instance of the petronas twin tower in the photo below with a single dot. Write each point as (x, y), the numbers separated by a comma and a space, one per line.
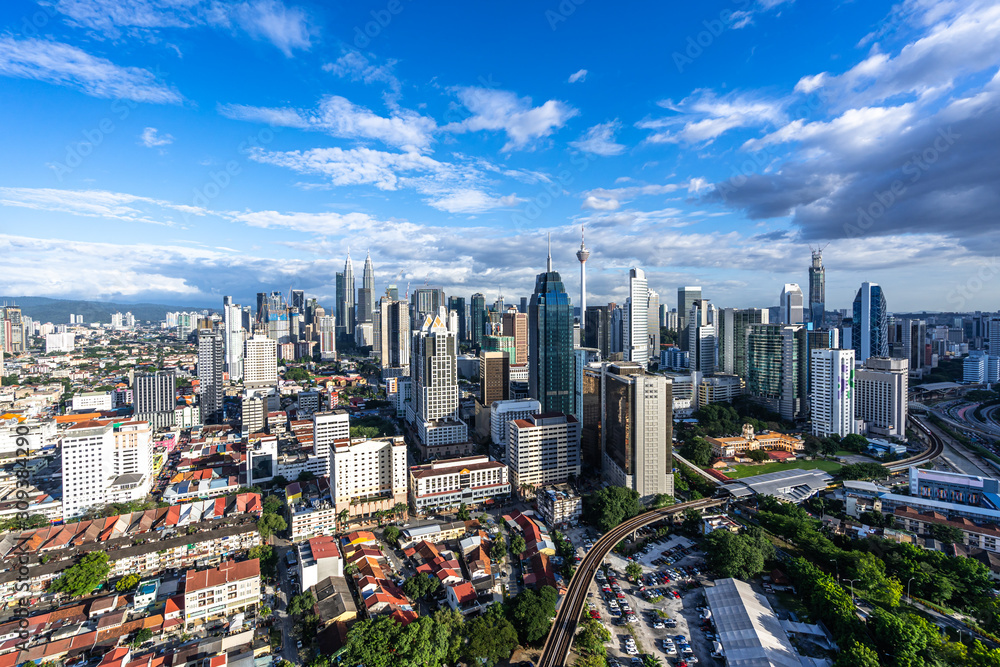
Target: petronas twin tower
(349, 311)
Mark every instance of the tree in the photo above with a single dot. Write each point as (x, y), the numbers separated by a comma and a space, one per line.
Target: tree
(633, 571)
(531, 613)
(269, 524)
(463, 513)
(391, 534)
(897, 637)
(297, 374)
(498, 550)
(862, 471)
(306, 476)
(273, 504)
(84, 577)
(734, 555)
(691, 525)
(609, 506)
(278, 481)
(856, 654)
(758, 455)
(491, 638)
(372, 642)
(144, 635)
(662, 500)
(265, 611)
(421, 585)
(698, 451)
(127, 583)
(268, 559)
(592, 638)
(301, 604)
(342, 517)
(518, 545)
(854, 442)
(946, 533)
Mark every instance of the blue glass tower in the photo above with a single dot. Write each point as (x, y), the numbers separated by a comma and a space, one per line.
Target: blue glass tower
(550, 343)
(870, 326)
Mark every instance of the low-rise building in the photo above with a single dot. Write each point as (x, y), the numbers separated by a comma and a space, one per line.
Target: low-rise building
(726, 448)
(559, 505)
(221, 591)
(319, 559)
(311, 511)
(473, 480)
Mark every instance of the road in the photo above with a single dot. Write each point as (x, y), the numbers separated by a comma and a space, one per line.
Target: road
(560, 639)
(284, 591)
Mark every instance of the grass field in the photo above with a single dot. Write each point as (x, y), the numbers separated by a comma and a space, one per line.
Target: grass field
(750, 470)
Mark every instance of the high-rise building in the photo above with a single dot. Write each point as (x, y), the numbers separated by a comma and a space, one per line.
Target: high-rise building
(369, 476)
(426, 301)
(870, 326)
(733, 326)
(477, 317)
(702, 337)
(366, 294)
(777, 377)
(583, 255)
(817, 289)
(831, 398)
(456, 304)
(341, 305)
(790, 303)
(550, 343)
(298, 300)
(153, 395)
(637, 430)
(543, 449)
(494, 377)
(653, 325)
(686, 296)
(515, 325)
(260, 362)
(994, 336)
(210, 363)
(233, 337)
(106, 461)
(598, 329)
(330, 430)
(434, 372)
(636, 321)
(914, 339)
(326, 327)
(392, 334)
(881, 395)
(346, 315)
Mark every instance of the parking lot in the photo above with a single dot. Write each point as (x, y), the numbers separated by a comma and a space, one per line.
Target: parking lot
(615, 599)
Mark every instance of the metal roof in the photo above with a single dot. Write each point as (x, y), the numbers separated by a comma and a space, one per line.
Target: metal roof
(747, 628)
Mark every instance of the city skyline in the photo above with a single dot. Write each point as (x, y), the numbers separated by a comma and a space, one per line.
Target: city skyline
(719, 163)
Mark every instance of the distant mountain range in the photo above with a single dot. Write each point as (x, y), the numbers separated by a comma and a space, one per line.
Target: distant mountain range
(57, 311)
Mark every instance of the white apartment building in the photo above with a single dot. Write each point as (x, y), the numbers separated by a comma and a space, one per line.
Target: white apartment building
(636, 321)
(473, 480)
(434, 371)
(59, 342)
(329, 429)
(880, 396)
(368, 475)
(92, 400)
(502, 413)
(832, 397)
(221, 591)
(260, 362)
(326, 325)
(104, 461)
(543, 449)
(154, 398)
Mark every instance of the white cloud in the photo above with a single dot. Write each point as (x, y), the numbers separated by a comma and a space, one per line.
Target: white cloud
(503, 110)
(94, 204)
(600, 140)
(356, 166)
(151, 138)
(596, 204)
(356, 67)
(340, 117)
(472, 201)
(703, 117)
(286, 28)
(65, 65)
(580, 75)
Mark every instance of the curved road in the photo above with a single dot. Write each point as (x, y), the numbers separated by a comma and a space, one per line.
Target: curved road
(929, 454)
(560, 639)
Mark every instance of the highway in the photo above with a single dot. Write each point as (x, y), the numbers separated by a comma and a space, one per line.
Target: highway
(560, 639)
(935, 450)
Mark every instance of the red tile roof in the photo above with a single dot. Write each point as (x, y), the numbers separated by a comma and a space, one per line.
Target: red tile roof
(225, 573)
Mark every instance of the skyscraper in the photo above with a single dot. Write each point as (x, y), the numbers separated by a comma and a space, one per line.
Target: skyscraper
(233, 337)
(777, 377)
(831, 399)
(154, 398)
(702, 337)
(341, 297)
(515, 324)
(685, 297)
(366, 294)
(434, 373)
(298, 300)
(583, 255)
(326, 327)
(653, 325)
(211, 359)
(732, 337)
(636, 321)
(477, 316)
(550, 343)
(392, 334)
(426, 301)
(817, 289)
(260, 362)
(870, 326)
(598, 329)
(350, 316)
(456, 304)
(494, 377)
(914, 338)
(790, 303)
(880, 401)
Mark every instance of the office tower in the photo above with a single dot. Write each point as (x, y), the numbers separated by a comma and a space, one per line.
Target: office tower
(499, 344)
(817, 289)
(341, 304)
(914, 336)
(515, 324)
(550, 343)
(831, 397)
(298, 300)
(994, 336)
(261, 314)
(870, 326)
(880, 397)
(790, 303)
(583, 255)
(974, 368)
(543, 449)
(636, 319)
(702, 337)
(434, 373)
(478, 319)
(598, 329)
(818, 339)
(210, 362)
(105, 461)
(260, 362)
(233, 337)
(616, 331)
(392, 291)
(494, 377)
(426, 301)
(330, 430)
(153, 395)
(776, 377)
(326, 326)
(732, 329)
(653, 325)
(637, 429)
(456, 304)
(366, 294)
(523, 307)
(350, 315)
(686, 296)
(392, 338)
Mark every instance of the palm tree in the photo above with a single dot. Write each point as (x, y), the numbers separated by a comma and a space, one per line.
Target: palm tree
(400, 510)
(342, 518)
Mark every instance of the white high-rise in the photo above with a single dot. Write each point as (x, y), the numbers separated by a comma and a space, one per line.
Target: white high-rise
(105, 461)
(329, 430)
(832, 397)
(326, 326)
(881, 395)
(636, 321)
(702, 337)
(791, 304)
(434, 371)
(233, 336)
(260, 362)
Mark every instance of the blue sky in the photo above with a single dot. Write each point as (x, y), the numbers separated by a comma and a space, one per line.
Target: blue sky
(180, 150)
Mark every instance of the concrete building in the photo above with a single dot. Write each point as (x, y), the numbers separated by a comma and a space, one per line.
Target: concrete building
(260, 362)
(559, 506)
(502, 413)
(543, 449)
(636, 322)
(831, 399)
(732, 329)
(369, 475)
(719, 388)
(233, 335)
(392, 335)
(686, 296)
(791, 303)
(748, 441)
(154, 398)
(326, 329)
(881, 396)
(211, 359)
(105, 461)
(777, 375)
(494, 377)
(221, 592)
(329, 430)
(91, 401)
(515, 325)
(476, 481)
(702, 337)
(434, 371)
(319, 558)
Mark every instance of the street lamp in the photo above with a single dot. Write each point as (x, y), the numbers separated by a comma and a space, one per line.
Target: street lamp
(852, 586)
(908, 589)
(837, 563)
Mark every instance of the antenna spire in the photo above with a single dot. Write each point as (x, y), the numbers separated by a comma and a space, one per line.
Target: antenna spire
(549, 264)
